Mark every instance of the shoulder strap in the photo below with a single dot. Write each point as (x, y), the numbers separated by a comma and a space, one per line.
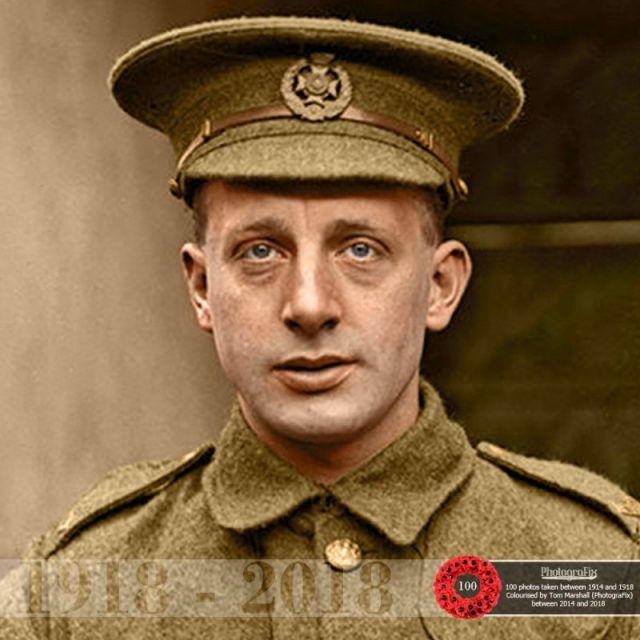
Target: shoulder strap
(119, 488)
(579, 484)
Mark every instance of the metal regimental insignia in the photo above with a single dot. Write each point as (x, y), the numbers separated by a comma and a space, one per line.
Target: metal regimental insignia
(315, 89)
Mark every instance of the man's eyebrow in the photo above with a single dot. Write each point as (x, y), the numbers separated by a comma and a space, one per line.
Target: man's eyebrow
(263, 225)
(278, 226)
(343, 226)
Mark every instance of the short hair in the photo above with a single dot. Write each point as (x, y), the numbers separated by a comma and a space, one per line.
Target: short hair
(432, 201)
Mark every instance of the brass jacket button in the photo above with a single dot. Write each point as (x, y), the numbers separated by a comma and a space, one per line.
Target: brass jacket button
(66, 524)
(629, 507)
(343, 554)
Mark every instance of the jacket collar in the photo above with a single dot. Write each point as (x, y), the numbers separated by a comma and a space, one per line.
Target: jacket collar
(397, 491)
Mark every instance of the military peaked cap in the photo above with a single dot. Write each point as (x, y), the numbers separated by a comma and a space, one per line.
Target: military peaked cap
(315, 99)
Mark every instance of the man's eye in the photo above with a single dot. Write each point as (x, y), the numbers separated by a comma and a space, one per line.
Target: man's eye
(362, 251)
(259, 252)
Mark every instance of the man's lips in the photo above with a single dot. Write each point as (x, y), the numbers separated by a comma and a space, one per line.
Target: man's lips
(313, 374)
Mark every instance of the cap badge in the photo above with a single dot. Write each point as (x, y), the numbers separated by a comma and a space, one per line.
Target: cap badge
(315, 89)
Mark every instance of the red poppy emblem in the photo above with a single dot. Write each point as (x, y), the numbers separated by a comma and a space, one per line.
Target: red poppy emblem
(467, 587)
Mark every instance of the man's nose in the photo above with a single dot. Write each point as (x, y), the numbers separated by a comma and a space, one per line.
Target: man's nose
(311, 302)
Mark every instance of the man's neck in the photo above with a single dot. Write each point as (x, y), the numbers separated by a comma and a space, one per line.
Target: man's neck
(325, 463)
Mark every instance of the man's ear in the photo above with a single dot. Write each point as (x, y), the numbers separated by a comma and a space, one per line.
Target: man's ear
(449, 278)
(195, 272)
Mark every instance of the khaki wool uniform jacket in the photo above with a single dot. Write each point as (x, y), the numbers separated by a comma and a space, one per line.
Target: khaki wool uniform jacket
(429, 495)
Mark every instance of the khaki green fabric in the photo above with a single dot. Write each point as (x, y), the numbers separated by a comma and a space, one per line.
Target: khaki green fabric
(428, 495)
(176, 81)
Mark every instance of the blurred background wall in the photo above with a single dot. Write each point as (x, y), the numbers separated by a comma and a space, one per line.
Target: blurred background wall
(101, 362)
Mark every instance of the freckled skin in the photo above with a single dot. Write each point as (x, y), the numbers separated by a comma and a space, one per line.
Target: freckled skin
(285, 274)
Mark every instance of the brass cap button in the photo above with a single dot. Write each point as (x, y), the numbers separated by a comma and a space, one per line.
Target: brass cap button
(175, 189)
(189, 457)
(343, 554)
(494, 449)
(463, 189)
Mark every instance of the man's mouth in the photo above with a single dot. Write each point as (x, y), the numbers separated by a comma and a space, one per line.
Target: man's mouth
(313, 374)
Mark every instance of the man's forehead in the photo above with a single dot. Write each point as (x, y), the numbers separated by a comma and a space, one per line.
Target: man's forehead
(231, 210)
(213, 189)
(334, 209)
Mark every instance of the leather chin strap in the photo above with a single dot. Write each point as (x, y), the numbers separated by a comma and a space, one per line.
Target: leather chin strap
(353, 114)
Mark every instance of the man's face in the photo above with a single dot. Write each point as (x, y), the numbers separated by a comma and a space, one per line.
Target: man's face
(317, 302)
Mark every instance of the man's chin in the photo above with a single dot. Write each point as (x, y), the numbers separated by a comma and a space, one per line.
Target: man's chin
(321, 420)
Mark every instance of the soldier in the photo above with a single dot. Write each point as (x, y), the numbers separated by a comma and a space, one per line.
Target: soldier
(320, 158)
